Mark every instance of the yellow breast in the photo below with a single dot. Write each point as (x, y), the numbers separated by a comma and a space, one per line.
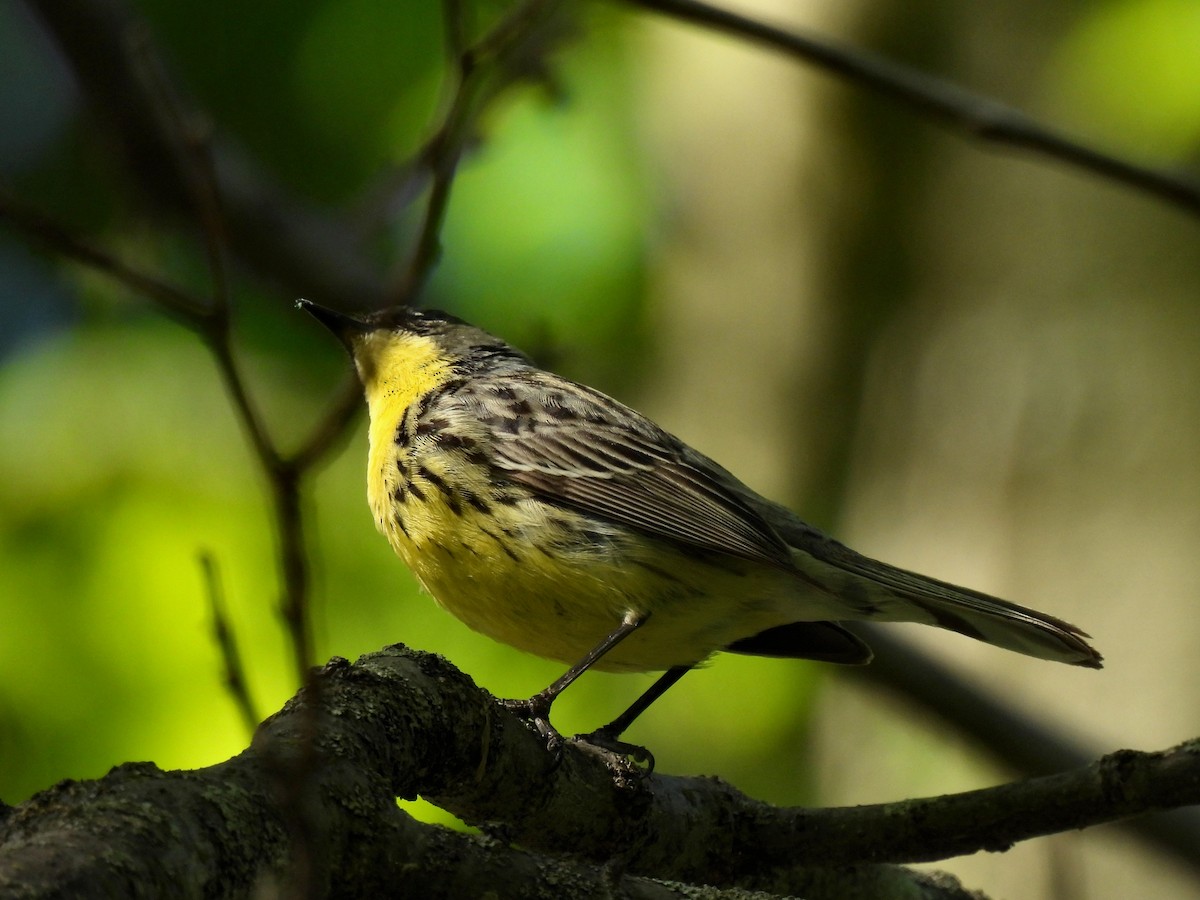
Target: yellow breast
(527, 572)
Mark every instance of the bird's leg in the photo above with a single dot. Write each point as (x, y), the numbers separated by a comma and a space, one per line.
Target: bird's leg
(537, 708)
(608, 736)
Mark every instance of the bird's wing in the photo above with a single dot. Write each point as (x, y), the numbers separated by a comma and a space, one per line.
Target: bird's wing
(579, 448)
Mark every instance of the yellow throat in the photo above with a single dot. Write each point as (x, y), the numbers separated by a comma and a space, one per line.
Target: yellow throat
(396, 370)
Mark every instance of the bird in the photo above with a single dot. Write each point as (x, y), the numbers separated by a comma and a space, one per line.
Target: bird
(556, 519)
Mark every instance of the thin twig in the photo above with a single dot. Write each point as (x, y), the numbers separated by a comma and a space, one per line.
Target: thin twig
(180, 304)
(1120, 784)
(481, 72)
(953, 106)
(192, 160)
(188, 139)
(1012, 736)
(275, 234)
(235, 673)
(333, 429)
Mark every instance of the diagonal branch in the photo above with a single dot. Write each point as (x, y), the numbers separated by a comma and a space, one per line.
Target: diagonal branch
(1014, 737)
(278, 236)
(952, 106)
(173, 300)
(403, 723)
(222, 628)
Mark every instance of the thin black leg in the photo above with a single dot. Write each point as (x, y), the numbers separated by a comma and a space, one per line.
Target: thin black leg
(608, 737)
(537, 707)
(617, 726)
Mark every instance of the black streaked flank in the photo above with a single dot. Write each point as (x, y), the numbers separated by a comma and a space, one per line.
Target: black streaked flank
(448, 440)
(435, 479)
(440, 546)
(598, 539)
(503, 545)
(723, 561)
(476, 501)
(432, 427)
(426, 401)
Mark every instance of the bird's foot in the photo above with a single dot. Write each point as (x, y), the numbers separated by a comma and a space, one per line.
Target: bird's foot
(617, 753)
(536, 712)
(628, 762)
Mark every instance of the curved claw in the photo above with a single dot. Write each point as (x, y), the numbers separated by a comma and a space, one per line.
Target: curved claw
(536, 712)
(601, 740)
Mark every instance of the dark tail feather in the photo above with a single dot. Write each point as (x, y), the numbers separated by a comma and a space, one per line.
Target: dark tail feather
(885, 593)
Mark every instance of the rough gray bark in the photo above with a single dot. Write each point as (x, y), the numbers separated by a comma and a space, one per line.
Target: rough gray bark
(308, 810)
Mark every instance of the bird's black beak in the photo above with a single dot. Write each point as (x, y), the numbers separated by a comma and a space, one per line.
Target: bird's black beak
(344, 327)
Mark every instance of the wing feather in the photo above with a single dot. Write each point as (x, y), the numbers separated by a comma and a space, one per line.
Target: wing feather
(582, 449)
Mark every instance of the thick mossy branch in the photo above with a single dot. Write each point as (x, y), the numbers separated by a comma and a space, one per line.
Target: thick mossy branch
(401, 723)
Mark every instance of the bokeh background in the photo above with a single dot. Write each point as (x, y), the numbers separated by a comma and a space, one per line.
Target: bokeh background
(966, 362)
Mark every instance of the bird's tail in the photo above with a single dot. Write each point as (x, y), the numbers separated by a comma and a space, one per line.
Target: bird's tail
(879, 592)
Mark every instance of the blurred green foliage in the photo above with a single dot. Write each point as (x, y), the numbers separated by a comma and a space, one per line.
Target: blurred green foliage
(1131, 70)
(124, 459)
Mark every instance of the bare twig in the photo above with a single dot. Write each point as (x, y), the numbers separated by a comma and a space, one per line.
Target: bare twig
(185, 143)
(953, 106)
(231, 658)
(174, 300)
(333, 428)
(1118, 785)
(188, 140)
(276, 235)
(1012, 736)
(481, 72)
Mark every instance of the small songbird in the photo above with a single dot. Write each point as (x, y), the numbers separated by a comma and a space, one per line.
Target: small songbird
(551, 517)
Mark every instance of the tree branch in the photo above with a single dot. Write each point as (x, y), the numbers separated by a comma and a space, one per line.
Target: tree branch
(221, 837)
(952, 106)
(310, 253)
(407, 724)
(118, 67)
(503, 56)
(31, 223)
(1011, 735)
(223, 634)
